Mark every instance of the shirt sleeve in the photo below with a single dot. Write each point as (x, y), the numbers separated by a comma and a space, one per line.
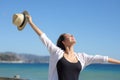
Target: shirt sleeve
(90, 59)
(86, 59)
(52, 48)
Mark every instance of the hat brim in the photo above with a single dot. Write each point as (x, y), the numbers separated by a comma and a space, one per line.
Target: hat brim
(24, 22)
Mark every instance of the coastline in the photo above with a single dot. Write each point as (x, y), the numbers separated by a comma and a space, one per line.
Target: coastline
(12, 62)
(39, 71)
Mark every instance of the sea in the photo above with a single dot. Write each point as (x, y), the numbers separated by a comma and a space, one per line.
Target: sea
(39, 71)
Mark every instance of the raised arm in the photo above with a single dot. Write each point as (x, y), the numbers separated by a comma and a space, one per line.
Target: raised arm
(111, 60)
(35, 28)
(52, 48)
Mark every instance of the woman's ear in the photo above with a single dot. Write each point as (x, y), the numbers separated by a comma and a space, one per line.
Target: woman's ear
(63, 42)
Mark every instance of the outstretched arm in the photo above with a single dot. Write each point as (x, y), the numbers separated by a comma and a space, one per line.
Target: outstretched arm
(48, 43)
(35, 28)
(111, 60)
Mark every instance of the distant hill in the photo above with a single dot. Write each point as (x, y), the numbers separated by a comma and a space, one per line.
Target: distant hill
(12, 57)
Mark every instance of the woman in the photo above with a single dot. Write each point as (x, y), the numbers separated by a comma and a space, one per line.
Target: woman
(65, 63)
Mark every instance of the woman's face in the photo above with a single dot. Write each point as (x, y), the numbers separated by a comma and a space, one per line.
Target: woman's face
(69, 40)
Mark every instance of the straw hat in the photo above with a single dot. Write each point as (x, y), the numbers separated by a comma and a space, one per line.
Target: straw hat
(20, 20)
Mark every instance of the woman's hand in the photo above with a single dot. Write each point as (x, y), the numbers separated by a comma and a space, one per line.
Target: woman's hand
(29, 18)
(34, 27)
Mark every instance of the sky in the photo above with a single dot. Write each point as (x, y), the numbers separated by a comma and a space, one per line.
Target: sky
(95, 25)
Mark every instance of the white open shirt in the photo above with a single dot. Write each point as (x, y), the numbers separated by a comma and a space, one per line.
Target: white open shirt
(56, 53)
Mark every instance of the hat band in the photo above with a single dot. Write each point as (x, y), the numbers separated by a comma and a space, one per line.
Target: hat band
(23, 21)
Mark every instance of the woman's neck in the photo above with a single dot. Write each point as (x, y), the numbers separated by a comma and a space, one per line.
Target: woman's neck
(69, 50)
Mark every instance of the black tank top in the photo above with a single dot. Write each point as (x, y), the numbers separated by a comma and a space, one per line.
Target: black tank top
(67, 70)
